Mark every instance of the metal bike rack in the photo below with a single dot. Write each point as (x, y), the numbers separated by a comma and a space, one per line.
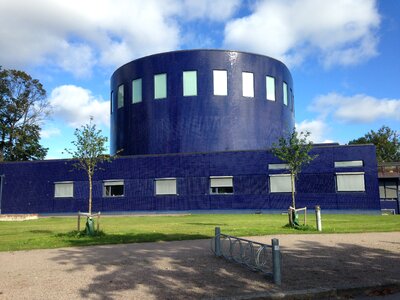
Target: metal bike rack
(253, 255)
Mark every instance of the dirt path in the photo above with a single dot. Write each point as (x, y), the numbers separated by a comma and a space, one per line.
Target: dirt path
(188, 270)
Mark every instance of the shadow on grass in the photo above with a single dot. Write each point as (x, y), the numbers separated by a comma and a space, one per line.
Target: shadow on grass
(301, 228)
(41, 231)
(76, 238)
(208, 224)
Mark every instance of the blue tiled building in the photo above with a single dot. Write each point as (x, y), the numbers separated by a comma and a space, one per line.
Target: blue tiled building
(200, 101)
(193, 129)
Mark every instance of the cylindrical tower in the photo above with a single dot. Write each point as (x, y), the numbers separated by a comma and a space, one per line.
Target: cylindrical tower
(200, 101)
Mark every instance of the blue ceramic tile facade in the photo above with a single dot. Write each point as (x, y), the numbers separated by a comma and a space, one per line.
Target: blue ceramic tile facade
(206, 135)
(202, 123)
(28, 187)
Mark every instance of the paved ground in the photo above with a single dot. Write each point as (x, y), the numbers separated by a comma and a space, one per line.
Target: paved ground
(188, 270)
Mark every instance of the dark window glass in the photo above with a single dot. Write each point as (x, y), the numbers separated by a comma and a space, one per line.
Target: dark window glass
(222, 190)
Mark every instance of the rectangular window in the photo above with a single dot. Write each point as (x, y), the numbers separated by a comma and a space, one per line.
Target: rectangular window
(160, 86)
(280, 183)
(278, 167)
(391, 189)
(291, 100)
(388, 189)
(220, 79)
(248, 84)
(382, 192)
(350, 182)
(137, 90)
(285, 93)
(221, 185)
(270, 84)
(113, 188)
(121, 96)
(348, 164)
(190, 83)
(165, 186)
(64, 189)
(112, 102)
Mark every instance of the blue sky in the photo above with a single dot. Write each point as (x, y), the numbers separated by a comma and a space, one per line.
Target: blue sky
(343, 54)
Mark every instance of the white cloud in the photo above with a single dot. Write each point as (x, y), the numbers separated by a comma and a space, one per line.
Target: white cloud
(77, 59)
(215, 10)
(71, 36)
(356, 109)
(77, 35)
(340, 32)
(318, 130)
(50, 132)
(75, 105)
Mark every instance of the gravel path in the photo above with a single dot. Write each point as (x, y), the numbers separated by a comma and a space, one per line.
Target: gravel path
(188, 270)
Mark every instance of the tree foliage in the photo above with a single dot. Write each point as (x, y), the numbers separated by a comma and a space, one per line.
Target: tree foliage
(89, 152)
(386, 141)
(23, 105)
(294, 151)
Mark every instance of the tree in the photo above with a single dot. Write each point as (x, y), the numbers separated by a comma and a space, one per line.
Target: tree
(26, 145)
(23, 105)
(294, 151)
(89, 152)
(386, 141)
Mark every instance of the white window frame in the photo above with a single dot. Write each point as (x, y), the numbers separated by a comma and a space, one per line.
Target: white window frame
(120, 96)
(58, 193)
(140, 82)
(278, 167)
(160, 190)
(156, 79)
(270, 88)
(220, 82)
(285, 93)
(185, 77)
(349, 164)
(340, 186)
(275, 189)
(221, 182)
(113, 182)
(248, 84)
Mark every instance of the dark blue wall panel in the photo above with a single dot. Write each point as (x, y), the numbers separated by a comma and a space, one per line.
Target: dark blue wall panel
(28, 187)
(390, 204)
(202, 123)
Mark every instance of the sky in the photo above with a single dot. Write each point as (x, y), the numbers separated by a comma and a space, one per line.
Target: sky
(344, 55)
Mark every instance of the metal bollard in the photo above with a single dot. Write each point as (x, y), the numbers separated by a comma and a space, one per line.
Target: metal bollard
(217, 241)
(79, 221)
(318, 217)
(276, 262)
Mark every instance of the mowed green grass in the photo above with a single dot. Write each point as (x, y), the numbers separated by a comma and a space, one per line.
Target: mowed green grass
(55, 232)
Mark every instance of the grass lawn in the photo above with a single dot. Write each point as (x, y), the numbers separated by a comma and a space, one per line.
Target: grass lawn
(55, 232)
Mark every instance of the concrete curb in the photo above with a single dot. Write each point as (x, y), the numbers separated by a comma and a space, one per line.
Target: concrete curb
(18, 217)
(323, 293)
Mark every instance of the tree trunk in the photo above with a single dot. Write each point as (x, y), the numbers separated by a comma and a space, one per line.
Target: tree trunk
(292, 182)
(90, 194)
(2, 144)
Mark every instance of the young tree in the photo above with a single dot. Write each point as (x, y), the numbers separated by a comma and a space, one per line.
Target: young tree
(89, 152)
(294, 151)
(386, 141)
(23, 105)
